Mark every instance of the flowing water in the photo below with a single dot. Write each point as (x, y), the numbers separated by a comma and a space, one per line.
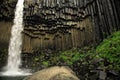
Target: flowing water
(14, 55)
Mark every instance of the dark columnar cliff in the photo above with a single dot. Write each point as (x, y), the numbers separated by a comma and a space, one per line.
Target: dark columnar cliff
(61, 24)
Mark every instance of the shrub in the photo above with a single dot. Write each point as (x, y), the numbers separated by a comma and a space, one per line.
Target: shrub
(87, 59)
(109, 51)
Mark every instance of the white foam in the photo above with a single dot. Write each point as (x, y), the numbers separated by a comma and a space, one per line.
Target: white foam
(15, 73)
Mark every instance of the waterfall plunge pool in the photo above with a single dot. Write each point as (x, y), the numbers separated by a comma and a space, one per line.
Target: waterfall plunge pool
(12, 77)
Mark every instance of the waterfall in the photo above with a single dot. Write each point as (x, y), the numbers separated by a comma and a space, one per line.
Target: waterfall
(14, 58)
(14, 51)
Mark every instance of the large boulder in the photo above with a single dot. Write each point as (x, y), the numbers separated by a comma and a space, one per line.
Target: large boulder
(53, 73)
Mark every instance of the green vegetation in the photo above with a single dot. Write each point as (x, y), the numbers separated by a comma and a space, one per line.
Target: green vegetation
(105, 56)
(109, 51)
(78, 57)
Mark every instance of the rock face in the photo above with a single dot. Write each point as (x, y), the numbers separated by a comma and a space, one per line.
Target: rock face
(53, 73)
(64, 24)
(5, 28)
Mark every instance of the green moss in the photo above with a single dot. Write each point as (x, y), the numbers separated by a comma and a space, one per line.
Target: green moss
(45, 63)
(105, 56)
(109, 50)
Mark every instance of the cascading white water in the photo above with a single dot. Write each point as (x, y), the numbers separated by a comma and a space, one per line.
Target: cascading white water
(14, 55)
(14, 59)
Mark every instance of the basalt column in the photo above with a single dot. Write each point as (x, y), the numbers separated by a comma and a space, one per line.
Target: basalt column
(57, 25)
(64, 24)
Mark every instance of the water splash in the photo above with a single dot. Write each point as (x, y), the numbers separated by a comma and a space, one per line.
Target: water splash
(14, 55)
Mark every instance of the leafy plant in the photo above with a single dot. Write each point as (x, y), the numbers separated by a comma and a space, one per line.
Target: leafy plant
(45, 63)
(84, 60)
(109, 50)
